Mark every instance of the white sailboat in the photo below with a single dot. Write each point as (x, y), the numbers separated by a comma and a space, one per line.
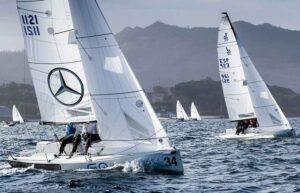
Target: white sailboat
(246, 94)
(92, 82)
(16, 116)
(194, 113)
(180, 112)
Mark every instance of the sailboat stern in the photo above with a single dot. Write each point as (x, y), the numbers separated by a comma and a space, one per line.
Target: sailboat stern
(168, 162)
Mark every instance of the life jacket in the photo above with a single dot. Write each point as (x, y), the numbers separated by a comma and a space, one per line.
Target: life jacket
(71, 129)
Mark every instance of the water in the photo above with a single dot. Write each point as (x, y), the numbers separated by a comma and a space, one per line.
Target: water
(211, 164)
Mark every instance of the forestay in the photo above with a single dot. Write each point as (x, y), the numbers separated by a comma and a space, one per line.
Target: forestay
(122, 109)
(269, 114)
(54, 61)
(16, 116)
(181, 114)
(194, 112)
(236, 93)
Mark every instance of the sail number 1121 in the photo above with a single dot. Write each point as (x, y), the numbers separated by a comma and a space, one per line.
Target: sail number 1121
(31, 25)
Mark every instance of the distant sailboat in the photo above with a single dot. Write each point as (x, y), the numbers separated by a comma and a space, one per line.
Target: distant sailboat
(246, 95)
(92, 82)
(194, 113)
(16, 116)
(180, 112)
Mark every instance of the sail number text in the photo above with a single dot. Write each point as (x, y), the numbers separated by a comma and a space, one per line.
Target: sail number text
(170, 161)
(224, 63)
(30, 25)
(225, 78)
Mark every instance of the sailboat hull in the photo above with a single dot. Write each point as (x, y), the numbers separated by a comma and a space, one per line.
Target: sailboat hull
(258, 133)
(163, 161)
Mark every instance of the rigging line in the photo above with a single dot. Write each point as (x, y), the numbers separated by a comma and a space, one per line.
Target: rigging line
(138, 143)
(117, 93)
(46, 13)
(92, 36)
(89, 57)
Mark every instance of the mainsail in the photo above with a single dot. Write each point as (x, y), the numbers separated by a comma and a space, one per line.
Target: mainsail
(123, 111)
(268, 112)
(16, 116)
(55, 62)
(194, 112)
(236, 93)
(180, 112)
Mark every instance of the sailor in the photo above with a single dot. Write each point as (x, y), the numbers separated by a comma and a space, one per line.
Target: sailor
(91, 135)
(239, 127)
(71, 137)
(242, 126)
(253, 123)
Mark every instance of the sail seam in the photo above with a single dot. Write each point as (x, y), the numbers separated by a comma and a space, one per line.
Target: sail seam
(117, 93)
(29, 1)
(226, 43)
(55, 63)
(92, 36)
(20, 8)
(259, 107)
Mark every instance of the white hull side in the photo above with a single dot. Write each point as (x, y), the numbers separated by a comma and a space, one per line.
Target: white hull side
(168, 161)
(258, 133)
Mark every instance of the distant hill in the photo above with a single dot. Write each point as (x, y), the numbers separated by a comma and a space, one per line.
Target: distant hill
(208, 97)
(165, 55)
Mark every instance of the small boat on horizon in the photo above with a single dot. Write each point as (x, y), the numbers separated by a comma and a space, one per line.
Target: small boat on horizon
(194, 113)
(180, 112)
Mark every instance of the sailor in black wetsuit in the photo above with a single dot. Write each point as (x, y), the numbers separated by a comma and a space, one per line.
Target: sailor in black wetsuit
(242, 126)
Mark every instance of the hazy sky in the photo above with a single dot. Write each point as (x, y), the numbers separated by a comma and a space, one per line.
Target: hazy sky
(193, 13)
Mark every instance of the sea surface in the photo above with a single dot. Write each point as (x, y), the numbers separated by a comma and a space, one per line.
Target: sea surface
(211, 164)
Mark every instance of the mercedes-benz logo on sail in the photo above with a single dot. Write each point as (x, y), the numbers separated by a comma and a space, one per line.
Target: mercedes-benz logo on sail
(65, 86)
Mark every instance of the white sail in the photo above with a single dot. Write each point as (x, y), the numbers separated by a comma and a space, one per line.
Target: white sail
(122, 109)
(16, 116)
(269, 114)
(194, 112)
(236, 93)
(180, 112)
(55, 62)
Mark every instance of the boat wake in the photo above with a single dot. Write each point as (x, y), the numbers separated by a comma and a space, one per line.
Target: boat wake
(7, 170)
(128, 167)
